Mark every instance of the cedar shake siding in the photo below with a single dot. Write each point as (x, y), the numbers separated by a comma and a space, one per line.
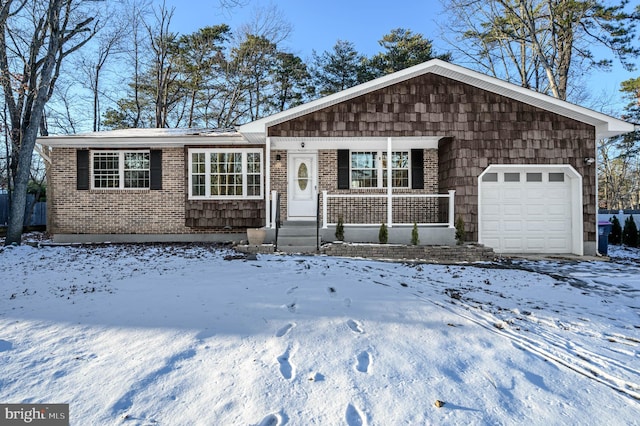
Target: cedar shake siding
(225, 214)
(478, 128)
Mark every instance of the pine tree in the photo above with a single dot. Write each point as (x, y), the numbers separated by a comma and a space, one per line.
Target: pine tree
(630, 232)
(337, 69)
(616, 231)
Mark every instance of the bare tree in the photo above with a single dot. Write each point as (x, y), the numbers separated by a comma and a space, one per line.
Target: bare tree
(35, 37)
(164, 46)
(541, 43)
(108, 43)
(267, 22)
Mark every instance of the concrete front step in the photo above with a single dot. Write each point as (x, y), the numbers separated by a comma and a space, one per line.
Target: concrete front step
(297, 231)
(298, 237)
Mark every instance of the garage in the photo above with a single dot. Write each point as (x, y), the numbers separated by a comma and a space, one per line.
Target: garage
(530, 209)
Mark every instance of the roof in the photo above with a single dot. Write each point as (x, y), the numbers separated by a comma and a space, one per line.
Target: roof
(131, 138)
(605, 125)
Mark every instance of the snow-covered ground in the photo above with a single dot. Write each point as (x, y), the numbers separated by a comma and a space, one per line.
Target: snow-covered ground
(197, 335)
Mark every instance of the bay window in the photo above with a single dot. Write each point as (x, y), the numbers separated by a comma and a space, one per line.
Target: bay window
(225, 173)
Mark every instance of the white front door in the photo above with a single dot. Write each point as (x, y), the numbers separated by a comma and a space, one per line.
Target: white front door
(302, 186)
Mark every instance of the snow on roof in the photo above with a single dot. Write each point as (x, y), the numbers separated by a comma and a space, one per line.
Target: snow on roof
(123, 133)
(146, 137)
(137, 133)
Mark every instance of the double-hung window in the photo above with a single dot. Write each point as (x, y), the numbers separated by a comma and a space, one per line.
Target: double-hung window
(121, 169)
(225, 173)
(369, 169)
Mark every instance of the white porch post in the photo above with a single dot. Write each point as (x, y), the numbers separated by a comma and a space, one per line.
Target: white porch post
(274, 209)
(389, 188)
(452, 198)
(324, 209)
(267, 184)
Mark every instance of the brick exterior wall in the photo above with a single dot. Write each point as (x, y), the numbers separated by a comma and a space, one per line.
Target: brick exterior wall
(361, 210)
(480, 127)
(163, 211)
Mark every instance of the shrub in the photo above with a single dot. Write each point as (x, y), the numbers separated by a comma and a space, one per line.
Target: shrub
(615, 237)
(630, 233)
(459, 230)
(383, 235)
(415, 236)
(340, 229)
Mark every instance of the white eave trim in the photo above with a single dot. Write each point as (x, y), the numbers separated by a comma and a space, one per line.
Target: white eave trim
(606, 126)
(79, 141)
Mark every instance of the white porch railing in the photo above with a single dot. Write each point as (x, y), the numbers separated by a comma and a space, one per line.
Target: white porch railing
(412, 210)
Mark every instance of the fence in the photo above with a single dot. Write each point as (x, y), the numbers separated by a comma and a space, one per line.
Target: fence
(38, 218)
(622, 215)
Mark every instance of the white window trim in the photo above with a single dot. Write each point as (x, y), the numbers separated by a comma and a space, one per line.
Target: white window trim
(121, 180)
(380, 170)
(207, 180)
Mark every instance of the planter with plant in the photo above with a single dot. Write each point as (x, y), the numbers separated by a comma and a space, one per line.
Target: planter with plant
(383, 234)
(340, 229)
(415, 236)
(459, 230)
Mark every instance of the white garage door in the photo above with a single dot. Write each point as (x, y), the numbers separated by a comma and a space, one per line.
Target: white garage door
(528, 210)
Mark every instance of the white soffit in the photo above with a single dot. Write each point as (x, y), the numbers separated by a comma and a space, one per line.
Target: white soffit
(606, 126)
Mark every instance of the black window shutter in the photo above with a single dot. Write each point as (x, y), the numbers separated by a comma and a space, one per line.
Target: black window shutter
(155, 161)
(82, 172)
(417, 169)
(343, 169)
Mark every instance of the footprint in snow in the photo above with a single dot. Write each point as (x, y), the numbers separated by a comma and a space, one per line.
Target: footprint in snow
(363, 362)
(354, 417)
(284, 330)
(347, 302)
(5, 345)
(355, 326)
(286, 369)
(272, 419)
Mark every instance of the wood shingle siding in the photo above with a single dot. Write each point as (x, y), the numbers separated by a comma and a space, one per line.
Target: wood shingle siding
(221, 214)
(478, 128)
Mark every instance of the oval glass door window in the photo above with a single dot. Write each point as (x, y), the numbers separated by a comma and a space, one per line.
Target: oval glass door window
(303, 176)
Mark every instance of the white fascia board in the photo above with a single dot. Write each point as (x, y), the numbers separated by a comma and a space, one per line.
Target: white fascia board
(606, 126)
(140, 142)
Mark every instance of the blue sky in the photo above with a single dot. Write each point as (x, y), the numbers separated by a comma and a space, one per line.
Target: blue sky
(318, 25)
